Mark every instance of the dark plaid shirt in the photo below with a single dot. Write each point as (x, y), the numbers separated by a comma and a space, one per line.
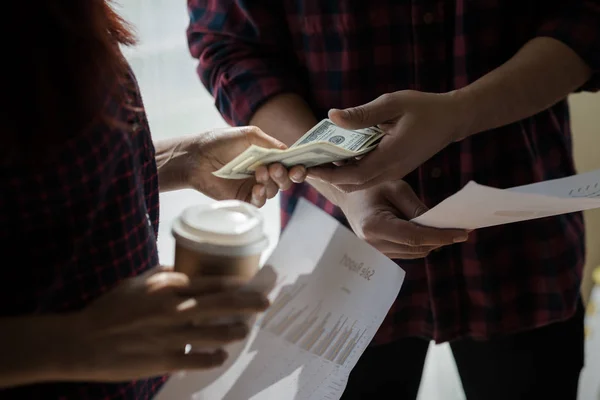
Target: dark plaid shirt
(347, 52)
(74, 224)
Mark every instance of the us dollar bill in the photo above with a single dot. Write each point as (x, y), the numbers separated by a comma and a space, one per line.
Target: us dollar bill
(324, 143)
(252, 152)
(326, 131)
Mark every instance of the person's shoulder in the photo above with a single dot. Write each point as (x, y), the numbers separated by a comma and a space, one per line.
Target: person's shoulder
(100, 140)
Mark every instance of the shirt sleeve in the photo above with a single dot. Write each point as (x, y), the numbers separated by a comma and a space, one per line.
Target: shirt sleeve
(244, 53)
(576, 23)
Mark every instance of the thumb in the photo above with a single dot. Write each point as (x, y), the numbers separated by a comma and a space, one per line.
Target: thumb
(157, 269)
(378, 111)
(406, 201)
(257, 137)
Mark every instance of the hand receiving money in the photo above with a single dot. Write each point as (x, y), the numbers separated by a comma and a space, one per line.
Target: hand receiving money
(195, 158)
(324, 143)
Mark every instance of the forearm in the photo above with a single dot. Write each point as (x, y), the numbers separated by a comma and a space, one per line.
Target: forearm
(542, 73)
(36, 349)
(172, 161)
(287, 117)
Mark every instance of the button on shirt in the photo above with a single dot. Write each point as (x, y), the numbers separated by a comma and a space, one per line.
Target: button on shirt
(348, 52)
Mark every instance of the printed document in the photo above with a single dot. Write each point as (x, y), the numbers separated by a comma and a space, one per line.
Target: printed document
(332, 293)
(477, 206)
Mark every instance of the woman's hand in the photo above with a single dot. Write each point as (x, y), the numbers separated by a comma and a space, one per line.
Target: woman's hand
(219, 147)
(190, 162)
(142, 327)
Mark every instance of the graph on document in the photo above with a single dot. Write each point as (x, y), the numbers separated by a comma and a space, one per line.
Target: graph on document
(589, 190)
(312, 327)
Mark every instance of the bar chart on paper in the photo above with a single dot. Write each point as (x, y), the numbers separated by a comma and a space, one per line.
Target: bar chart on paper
(315, 330)
(332, 294)
(311, 337)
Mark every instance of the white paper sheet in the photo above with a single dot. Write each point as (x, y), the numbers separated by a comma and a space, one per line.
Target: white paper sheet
(477, 206)
(332, 295)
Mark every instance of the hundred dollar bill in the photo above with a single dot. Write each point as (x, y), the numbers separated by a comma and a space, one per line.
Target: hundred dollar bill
(326, 131)
(249, 155)
(324, 143)
(309, 156)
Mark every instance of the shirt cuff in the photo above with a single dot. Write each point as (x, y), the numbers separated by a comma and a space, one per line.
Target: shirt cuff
(242, 90)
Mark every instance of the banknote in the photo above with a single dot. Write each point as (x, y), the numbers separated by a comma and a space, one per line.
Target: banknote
(326, 131)
(248, 156)
(308, 156)
(324, 143)
(249, 153)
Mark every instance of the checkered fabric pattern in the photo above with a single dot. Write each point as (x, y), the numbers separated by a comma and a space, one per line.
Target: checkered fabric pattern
(74, 224)
(348, 52)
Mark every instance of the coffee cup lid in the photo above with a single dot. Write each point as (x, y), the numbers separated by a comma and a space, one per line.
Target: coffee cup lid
(228, 227)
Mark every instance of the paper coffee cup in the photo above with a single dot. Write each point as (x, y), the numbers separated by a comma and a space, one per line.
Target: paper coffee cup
(222, 238)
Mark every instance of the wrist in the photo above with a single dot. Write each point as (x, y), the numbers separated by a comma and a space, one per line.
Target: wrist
(40, 349)
(174, 159)
(74, 352)
(61, 355)
(463, 111)
(333, 194)
(344, 200)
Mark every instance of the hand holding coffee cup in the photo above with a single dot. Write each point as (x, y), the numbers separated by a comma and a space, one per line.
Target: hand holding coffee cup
(140, 328)
(224, 238)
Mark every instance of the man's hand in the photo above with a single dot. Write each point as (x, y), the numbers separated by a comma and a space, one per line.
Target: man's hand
(417, 124)
(380, 215)
(189, 162)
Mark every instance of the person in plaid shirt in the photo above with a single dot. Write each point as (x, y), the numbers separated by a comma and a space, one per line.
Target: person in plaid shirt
(85, 313)
(472, 90)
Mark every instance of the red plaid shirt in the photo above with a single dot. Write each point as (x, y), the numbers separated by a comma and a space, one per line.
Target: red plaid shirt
(74, 225)
(344, 53)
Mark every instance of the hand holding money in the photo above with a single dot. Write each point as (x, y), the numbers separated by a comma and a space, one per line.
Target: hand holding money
(191, 160)
(417, 126)
(324, 143)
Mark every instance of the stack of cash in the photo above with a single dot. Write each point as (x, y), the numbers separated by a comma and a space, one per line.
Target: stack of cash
(324, 143)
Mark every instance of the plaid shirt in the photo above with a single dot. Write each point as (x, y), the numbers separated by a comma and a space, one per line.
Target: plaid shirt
(344, 53)
(74, 225)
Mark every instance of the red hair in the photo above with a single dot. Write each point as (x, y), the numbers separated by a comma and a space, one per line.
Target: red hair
(63, 63)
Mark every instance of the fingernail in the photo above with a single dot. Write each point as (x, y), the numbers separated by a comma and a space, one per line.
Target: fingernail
(297, 177)
(278, 172)
(262, 191)
(219, 356)
(344, 114)
(262, 302)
